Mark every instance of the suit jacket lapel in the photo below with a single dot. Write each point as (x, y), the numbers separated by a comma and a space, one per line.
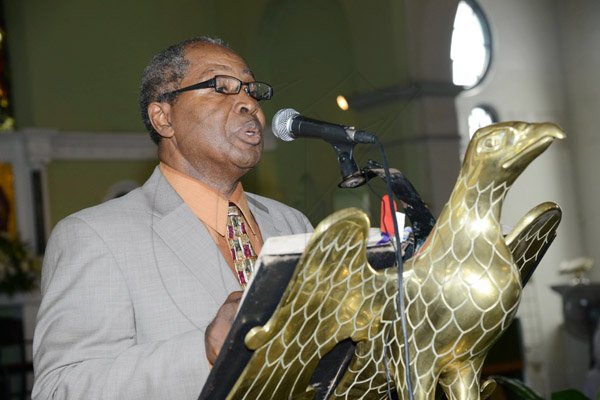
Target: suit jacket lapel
(192, 268)
(268, 227)
(189, 240)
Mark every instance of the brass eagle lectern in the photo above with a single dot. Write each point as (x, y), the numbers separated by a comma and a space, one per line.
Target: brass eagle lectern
(461, 290)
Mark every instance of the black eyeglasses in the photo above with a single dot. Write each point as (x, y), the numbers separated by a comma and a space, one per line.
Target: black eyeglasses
(229, 85)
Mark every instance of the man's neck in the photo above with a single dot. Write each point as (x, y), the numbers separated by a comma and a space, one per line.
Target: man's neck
(221, 181)
(220, 184)
(226, 189)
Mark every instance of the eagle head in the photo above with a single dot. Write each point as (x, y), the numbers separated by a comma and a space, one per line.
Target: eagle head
(502, 151)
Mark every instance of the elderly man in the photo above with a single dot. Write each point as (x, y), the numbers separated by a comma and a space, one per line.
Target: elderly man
(140, 292)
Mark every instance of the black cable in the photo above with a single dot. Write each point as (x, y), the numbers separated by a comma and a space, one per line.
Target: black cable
(400, 266)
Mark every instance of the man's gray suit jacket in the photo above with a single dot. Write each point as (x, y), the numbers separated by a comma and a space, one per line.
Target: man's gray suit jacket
(129, 288)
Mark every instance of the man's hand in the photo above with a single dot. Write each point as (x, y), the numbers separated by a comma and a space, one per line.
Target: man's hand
(217, 330)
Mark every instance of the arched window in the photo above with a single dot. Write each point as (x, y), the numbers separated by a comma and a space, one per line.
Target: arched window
(481, 116)
(470, 49)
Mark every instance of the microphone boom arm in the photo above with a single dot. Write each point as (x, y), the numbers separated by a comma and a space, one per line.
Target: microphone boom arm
(352, 176)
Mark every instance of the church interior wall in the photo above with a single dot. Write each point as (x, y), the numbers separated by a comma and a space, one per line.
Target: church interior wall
(542, 71)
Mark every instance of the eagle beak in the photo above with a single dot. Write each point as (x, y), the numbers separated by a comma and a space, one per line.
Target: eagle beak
(536, 139)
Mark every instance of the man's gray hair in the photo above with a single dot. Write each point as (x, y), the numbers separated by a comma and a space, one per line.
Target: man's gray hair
(162, 75)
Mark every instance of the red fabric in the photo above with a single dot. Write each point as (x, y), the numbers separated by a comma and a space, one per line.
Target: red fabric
(386, 222)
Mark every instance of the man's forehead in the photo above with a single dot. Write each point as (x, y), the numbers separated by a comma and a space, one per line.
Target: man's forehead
(210, 57)
(210, 67)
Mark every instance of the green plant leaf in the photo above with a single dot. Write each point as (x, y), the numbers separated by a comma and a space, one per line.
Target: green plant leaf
(516, 389)
(19, 267)
(569, 394)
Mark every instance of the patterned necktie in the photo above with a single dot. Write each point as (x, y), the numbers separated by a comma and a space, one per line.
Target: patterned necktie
(239, 243)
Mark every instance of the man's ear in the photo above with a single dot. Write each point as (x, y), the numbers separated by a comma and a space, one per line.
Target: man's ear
(160, 117)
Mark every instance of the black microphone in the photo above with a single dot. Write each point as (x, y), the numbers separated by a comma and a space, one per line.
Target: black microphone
(288, 125)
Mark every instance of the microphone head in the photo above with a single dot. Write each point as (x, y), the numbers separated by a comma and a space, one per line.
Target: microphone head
(282, 124)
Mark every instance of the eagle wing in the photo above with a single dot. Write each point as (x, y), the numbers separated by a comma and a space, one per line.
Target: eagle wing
(532, 236)
(332, 296)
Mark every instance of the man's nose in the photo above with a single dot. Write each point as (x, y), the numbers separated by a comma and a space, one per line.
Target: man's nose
(246, 104)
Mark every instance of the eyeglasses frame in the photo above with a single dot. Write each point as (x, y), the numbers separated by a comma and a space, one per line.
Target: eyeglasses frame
(212, 83)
